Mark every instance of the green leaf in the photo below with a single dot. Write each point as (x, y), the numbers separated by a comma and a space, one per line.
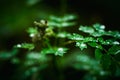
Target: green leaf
(98, 54)
(48, 51)
(55, 18)
(65, 18)
(67, 24)
(32, 30)
(81, 45)
(28, 46)
(61, 51)
(9, 54)
(57, 51)
(100, 39)
(97, 34)
(99, 27)
(114, 50)
(69, 17)
(107, 42)
(94, 44)
(115, 34)
(76, 37)
(61, 25)
(89, 39)
(105, 61)
(61, 22)
(63, 34)
(86, 29)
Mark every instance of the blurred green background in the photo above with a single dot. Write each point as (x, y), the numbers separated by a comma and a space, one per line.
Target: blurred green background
(17, 15)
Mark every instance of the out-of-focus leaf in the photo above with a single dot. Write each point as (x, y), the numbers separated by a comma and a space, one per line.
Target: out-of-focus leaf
(28, 46)
(100, 39)
(113, 34)
(114, 50)
(98, 54)
(63, 19)
(32, 31)
(32, 2)
(95, 45)
(99, 27)
(61, 51)
(61, 25)
(69, 17)
(15, 60)
(35, 55)
(105, 61)
(63, 34)
(88, 39)
(107, 42)
(75, 36)
(62, 22)
(81, 45)
(85, 62)
(57, 51)
(86, 29)
(97, 34)
(67, 24)
(7, 55)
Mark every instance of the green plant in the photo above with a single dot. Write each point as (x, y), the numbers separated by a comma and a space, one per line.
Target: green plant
(52, 38)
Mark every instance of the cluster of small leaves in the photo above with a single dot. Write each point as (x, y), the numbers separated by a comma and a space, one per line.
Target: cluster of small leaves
(28, 46)
(98, 30)
(53, 23)
(41, 35)
(96, 38)
(54, 28)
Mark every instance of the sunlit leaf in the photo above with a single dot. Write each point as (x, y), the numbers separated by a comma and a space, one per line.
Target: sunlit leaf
(63, 34)
(69, 17)
(97, 34)
(99, 27)
(81, 45)
(107, 42)
(113, 34)
(76, 36)
(61, 51)
(67, 24)
(65, 18)
(56, 19)
(28, 46)
(86, 29)
(48, 51)
(61, 25)
(32, 30)
(100, 39)
(57, 51)
(87, 39)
